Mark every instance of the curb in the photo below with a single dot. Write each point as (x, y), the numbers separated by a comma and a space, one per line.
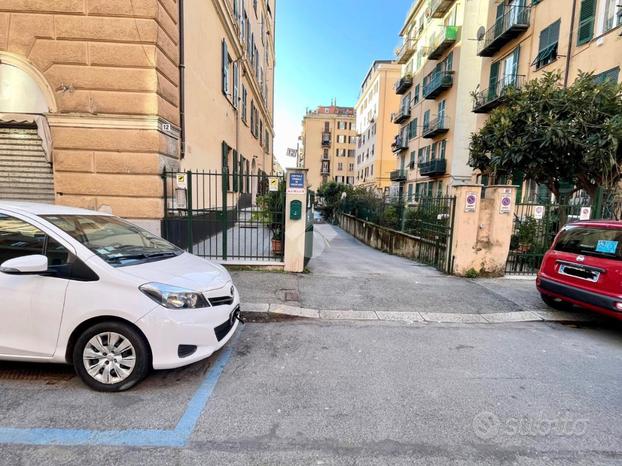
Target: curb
(251, 310)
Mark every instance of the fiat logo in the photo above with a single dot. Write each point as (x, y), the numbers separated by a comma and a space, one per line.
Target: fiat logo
(580, 258)
(232, 290)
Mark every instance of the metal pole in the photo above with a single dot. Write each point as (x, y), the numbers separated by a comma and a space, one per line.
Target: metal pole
(225, 181)
(189, 207)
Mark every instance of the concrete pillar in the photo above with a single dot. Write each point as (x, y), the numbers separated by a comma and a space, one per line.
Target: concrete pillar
(296, 190)
(482, 229)
(466, 224)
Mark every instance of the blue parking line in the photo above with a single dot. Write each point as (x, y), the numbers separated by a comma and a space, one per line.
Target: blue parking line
(177, 437)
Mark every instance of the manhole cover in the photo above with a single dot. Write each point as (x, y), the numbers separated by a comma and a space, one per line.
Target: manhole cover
(290, 295)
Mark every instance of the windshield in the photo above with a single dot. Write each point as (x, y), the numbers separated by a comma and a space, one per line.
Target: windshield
(598, 242)
(116, 241)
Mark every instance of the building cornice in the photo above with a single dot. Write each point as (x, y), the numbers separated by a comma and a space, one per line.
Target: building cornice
(125, 122)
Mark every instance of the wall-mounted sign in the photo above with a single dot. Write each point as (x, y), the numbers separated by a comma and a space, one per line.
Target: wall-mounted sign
(181, 181)
(506, 203)
(471, 202)
(296, 183)
(586, 213)
(538, 212)
(166, 127)
(273, 183)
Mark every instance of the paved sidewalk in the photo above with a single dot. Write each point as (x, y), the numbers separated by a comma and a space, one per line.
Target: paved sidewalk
(348, 276)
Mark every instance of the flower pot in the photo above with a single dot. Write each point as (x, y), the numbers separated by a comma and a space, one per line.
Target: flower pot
(277, 246)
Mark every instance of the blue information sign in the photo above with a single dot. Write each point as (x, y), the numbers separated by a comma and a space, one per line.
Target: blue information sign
(297, 180)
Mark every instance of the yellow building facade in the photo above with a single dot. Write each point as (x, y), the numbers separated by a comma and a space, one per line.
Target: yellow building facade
(377, 100)
(99, 97)
(229, 93)
(524, 39)
(440, 69)
(328, 145)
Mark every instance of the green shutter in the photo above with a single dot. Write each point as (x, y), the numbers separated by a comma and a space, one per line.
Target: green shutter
(235, 171)
(225, 160)
(225, 66)
(493, 80)
(586, 21)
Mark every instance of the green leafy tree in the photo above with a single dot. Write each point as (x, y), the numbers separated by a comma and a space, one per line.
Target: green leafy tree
(555, 135)
(330, 195)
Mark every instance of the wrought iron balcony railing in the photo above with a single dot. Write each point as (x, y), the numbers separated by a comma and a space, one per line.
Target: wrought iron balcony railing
(442, 41)
(401, 116)
(435, 127)
(398, 175)
(513, 23)
(436, 167)
(436, 83)
(403, 84)
(488, 99)
(399, 144)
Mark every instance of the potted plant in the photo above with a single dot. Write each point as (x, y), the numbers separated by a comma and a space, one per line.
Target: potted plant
(277, 240)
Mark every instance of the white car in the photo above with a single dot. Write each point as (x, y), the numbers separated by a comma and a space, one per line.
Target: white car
(92, 290)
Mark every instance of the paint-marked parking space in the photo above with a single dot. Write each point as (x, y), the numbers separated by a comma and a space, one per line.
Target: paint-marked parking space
(48, 405)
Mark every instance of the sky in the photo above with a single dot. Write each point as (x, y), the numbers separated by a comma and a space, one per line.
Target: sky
(324, 49)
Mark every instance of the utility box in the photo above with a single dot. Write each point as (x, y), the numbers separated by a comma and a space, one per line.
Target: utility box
(295, 210)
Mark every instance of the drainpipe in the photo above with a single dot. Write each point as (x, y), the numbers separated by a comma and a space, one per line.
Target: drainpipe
(182, 82)
(570, 39)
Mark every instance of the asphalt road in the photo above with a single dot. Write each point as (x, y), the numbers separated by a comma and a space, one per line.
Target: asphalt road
(326, 392)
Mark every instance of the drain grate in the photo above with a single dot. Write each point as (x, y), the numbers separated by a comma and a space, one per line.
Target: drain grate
(45, 373)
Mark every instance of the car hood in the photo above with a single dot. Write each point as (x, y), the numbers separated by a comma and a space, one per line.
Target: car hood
(185, 270)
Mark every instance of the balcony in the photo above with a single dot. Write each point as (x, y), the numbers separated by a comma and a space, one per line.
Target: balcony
(401, 116)
(488, 99)
(398, 175)
(442, 41)
(326, 137)
(512, 24)
(398, 145)
(439, 8)
(404, 51)
(436, 83)
(403, 84)
(436, 167)
(325, 170)
(435, 127)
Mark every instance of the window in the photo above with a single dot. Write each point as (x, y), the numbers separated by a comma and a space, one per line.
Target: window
(426, 120)
(412, 129)
(594, 242)
(340, 166)
(410, 193)
(547, 52)
(351, 166)
(18, 238)
(226, 61)
(255, 6)
(416, 96)
(411, 163)
(236, 81)
(244, 103)
(586, 21)
(611, 75)
(114, 240)
(612, 18)
(325, 155)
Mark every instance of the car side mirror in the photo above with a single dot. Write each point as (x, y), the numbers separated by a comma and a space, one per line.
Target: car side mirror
(33, 264)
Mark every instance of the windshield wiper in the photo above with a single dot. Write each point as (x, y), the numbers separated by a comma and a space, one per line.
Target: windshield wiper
(128, 257)
(162, 254)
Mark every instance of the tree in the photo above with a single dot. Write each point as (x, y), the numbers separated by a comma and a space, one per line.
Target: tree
(555, 135)
(331, 193)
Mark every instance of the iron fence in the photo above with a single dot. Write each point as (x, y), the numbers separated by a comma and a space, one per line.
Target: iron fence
(218, 215)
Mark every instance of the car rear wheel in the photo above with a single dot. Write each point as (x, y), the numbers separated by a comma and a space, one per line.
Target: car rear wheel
(111, 357)
(555, 304)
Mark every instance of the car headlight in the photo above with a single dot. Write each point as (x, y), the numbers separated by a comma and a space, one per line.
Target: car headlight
(174, 297)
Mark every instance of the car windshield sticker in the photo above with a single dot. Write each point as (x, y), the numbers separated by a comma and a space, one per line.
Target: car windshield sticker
(606, 246)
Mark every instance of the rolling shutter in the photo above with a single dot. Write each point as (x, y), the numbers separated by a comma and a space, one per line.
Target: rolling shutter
(25, 173)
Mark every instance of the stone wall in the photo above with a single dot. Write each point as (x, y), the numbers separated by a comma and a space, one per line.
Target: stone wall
(112, 67)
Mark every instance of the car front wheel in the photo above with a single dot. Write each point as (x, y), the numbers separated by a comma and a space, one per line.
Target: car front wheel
(111, 357)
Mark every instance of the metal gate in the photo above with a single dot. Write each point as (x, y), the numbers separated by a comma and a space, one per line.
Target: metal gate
(534, 229)
(235, 217)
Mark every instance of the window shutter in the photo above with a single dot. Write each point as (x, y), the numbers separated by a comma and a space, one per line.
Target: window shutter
(516, 61)
(493, 79)
(225, 68)
(235, 171)
(225, 160)
(236, 79)
(586, 21)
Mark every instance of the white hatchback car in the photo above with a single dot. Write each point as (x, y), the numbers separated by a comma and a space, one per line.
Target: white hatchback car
(92, 290)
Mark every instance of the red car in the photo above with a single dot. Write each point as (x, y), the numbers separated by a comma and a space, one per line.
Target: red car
(584, 267)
